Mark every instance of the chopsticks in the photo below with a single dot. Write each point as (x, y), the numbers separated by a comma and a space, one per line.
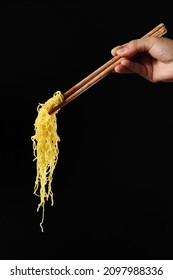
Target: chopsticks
(100, 73)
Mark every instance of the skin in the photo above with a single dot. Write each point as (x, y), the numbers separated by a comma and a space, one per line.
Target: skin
(150, 58)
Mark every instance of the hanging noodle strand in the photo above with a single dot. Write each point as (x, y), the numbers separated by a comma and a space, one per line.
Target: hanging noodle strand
(45, 150)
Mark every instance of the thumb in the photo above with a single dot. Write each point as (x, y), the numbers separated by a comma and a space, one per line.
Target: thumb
(134, 47)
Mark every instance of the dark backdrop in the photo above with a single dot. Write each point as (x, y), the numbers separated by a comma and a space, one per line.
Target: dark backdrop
(113, 181)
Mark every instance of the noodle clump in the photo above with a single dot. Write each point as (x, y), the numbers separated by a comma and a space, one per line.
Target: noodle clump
(45, 150)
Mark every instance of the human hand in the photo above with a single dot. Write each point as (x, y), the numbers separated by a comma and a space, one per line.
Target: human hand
(149, 57)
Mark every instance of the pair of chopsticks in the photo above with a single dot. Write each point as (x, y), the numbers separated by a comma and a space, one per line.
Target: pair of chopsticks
(100, 73)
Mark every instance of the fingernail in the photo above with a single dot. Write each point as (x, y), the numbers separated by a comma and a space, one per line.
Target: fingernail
(121, 50)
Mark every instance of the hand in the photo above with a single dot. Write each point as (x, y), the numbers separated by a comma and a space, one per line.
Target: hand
(149, 57)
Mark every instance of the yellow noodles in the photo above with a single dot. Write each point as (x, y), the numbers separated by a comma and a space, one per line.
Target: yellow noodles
(45, 150)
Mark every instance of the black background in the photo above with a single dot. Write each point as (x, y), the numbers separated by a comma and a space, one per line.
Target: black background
(113, 182)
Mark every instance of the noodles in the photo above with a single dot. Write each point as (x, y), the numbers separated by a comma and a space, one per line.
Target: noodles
(45, 150)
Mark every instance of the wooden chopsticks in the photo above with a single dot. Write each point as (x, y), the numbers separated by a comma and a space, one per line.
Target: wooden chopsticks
(100, 73)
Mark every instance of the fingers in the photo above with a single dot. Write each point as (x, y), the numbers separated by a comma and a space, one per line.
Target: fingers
(122, 68)
(129, 66)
